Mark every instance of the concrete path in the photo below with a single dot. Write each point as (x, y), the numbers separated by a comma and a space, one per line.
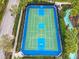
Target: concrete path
(62, 3)
(8, 20)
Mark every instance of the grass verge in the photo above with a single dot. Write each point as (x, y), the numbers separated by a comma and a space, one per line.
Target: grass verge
(3, 10)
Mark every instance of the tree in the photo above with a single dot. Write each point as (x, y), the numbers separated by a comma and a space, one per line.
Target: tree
(6, 43)
(24, 3)
(75, 7)
(1, 4)
(35, 0)
(70, 42)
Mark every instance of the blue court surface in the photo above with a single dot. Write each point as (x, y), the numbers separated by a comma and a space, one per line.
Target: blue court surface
(41, 36)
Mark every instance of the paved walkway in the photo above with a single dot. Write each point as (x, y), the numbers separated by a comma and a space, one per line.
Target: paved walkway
(62, 3)
(8, 20)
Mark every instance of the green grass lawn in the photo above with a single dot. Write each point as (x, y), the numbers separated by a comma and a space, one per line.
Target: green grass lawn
(2, 6)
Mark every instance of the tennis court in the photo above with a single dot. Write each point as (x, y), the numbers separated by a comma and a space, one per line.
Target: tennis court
(41, 31)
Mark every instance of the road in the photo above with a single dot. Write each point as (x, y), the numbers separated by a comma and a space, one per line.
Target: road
(8, 20)
(2, 56)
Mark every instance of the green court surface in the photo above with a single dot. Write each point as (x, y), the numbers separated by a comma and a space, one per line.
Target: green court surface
(41, 30)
